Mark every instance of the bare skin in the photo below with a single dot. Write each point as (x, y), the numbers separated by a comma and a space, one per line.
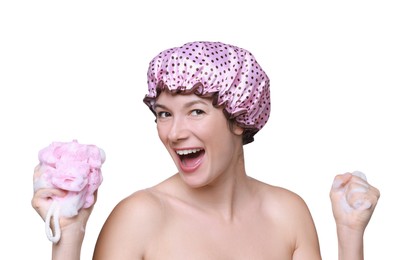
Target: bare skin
(271, 223)
(211, 209)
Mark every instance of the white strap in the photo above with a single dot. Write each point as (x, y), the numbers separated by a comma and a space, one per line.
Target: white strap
(53, 211)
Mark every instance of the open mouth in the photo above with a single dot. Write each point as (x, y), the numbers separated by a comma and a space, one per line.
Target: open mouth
(190, 157)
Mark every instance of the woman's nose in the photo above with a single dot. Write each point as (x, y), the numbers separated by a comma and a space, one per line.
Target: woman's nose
(178, 130)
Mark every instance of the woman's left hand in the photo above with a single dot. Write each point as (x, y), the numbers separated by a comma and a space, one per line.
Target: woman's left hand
(353, 201)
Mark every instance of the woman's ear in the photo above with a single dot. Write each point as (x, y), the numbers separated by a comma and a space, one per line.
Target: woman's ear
(236, 129)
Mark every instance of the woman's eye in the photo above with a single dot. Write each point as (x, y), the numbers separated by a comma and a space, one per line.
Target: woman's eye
(197, 112)
(163, 114)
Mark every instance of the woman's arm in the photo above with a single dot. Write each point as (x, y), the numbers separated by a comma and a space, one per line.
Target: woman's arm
(353, 203)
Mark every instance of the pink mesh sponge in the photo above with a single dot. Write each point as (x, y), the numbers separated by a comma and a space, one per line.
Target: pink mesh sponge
(75, 168)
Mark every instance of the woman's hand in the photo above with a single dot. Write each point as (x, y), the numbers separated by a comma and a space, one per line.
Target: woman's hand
(353, 203)
(42, 200)
(353, 200)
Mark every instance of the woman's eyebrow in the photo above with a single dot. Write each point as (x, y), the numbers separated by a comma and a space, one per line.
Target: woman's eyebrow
(159, 106)
(186, 105)
(195, 102)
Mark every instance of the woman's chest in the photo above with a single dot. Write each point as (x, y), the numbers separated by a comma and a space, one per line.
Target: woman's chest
(254, 238)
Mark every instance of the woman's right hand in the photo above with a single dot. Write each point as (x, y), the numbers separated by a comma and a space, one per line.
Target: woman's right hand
(42, 200)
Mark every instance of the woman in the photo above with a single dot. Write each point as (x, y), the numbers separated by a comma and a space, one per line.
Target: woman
(210, 99)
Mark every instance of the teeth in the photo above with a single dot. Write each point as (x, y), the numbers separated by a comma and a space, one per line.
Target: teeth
(188, 151)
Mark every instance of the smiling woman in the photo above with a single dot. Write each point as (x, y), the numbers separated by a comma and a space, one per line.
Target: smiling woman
(209, 100)
(194, 124)
(228, 74)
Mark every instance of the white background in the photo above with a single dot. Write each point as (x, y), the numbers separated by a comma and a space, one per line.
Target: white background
(339, 75)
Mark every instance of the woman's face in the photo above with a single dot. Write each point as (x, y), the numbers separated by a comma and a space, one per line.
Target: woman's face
(198, 137)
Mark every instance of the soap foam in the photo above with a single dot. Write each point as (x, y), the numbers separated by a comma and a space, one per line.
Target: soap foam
(360, 187)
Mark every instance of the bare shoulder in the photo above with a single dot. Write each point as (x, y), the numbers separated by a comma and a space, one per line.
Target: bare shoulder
(143, 203)
(275, 197)
(290, 211)
(131, 227)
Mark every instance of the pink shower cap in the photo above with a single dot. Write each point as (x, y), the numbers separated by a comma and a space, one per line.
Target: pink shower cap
(225, 72)
(75, 168)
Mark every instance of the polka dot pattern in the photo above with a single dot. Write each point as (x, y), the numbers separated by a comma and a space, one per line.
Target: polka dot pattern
(214, 68)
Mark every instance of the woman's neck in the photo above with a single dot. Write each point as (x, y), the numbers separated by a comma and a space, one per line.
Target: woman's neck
(223, 194)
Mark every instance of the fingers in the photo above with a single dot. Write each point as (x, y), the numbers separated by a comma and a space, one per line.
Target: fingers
(42, 199)
(355, 191)
(340, 181)
(357, 194)
(45, 196)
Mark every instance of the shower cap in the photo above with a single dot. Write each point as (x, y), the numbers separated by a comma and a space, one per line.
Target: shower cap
(75, 168)
(229, 74)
